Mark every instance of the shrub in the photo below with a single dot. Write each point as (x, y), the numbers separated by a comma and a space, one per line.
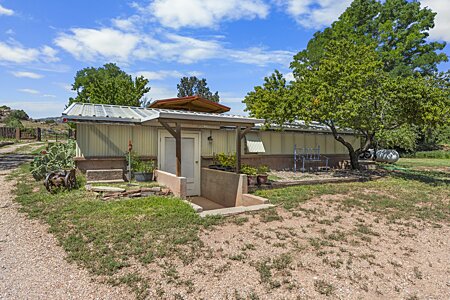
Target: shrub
(225, 160)
(58, 157)
(263, 169)
(249, 170)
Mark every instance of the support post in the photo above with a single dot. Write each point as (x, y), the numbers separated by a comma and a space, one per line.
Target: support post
(239, 135)
(178, 148)
(238, 149)
(177, 135)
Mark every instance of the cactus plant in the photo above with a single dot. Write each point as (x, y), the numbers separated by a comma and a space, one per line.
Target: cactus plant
(59, 156)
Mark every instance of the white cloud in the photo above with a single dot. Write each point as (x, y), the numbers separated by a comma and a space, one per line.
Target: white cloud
(25, 74)
(125, 47)
(17, 53)
(92, 44)
(29, 91)
(160, 75)
(13, 52)
(161, 92)
(441, 30)
(49, 54)
(49, 96)
(200, 13)
(6, 11)
(289, 76)
(314, 14)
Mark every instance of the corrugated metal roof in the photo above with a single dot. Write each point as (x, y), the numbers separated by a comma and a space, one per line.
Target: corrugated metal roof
(254, 143)
(131, 114)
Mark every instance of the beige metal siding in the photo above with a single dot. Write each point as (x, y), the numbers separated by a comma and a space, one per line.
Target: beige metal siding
(112, 140)
(223, 141)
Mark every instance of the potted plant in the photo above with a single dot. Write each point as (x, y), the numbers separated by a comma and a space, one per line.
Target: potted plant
(224, 162)
(143, 171)
(263, 171)
(251, 174)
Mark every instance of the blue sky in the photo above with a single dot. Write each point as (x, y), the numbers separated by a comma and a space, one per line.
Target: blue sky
(234, 44)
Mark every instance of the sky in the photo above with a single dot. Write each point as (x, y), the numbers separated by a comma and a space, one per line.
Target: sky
(234, 44)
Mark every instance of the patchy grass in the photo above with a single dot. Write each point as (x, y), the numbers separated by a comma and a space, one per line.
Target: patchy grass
(405, 194)
(423, 162)
(336, 240)
(105, 236)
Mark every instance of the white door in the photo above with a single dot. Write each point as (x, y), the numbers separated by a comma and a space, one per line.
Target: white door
(190, 158)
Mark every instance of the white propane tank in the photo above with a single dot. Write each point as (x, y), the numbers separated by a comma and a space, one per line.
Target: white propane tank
(388, 156)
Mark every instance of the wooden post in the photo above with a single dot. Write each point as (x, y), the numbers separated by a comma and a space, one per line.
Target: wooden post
(18, 134)
(38, 134)
(177, 135)
(238, 149)
(178, 148)
(239, 135)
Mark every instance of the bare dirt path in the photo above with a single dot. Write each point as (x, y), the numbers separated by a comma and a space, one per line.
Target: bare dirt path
(32, 265)
(14, 147)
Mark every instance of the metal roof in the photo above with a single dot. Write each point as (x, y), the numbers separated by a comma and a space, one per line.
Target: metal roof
(190, 103)
(87, 112)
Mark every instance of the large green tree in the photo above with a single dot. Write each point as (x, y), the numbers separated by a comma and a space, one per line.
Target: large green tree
(399, 29)
(108, 85)
(192, 86)
(372, 71)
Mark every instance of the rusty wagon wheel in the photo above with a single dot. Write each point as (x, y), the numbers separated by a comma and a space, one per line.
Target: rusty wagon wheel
(48, 182)
(70, 180)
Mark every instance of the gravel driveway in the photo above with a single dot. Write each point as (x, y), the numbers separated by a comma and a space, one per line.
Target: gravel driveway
(32, 265)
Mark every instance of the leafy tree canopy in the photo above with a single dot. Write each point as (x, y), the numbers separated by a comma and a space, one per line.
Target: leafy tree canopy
(191, 86)
(359, 74)
(398, 28)
(19, 114)
(108, 85)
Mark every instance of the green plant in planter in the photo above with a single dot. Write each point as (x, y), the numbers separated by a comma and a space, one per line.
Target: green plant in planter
(263, 170)
(249, 170)
(144, 166)
(226, 160)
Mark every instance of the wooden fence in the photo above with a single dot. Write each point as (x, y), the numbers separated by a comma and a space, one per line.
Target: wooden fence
(35, 134)
(7, 132)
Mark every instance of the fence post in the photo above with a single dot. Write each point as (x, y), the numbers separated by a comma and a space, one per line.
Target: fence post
(38, 134)
(17, 133)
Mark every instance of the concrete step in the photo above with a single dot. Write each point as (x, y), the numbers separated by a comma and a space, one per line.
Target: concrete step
(234, 210)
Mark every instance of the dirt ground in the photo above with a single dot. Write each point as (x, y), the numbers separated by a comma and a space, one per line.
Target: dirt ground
(324, 250)
(33, 266)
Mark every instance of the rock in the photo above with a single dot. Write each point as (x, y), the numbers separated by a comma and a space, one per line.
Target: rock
(105, 189)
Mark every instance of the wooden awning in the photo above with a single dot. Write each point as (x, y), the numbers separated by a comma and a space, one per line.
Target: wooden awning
(190, 103)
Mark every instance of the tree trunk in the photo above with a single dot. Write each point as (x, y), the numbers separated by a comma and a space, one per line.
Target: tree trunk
(354, 155)
(354, 161)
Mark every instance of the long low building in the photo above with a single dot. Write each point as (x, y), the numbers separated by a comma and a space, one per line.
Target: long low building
(104, 132)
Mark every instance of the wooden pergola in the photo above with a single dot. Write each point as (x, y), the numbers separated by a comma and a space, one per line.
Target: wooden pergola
(240, 128)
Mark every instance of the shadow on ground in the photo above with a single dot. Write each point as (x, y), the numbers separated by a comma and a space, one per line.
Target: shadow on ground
(11, 161)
